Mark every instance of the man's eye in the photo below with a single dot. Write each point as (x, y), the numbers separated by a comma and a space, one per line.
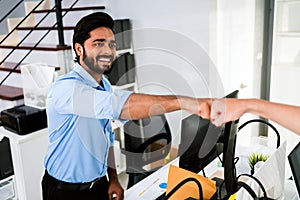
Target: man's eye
(99, 44)
(112, 45)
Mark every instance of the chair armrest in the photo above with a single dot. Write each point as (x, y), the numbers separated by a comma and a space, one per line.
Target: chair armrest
(153, 139)
(156, 155)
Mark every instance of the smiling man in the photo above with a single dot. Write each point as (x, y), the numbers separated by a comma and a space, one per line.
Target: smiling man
(100, 58)
(80, 107)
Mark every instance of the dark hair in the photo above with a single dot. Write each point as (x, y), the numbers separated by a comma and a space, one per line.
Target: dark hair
(87, 24)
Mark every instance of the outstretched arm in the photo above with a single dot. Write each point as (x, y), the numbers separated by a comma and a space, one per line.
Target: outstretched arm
(224, 110)
(142, 105)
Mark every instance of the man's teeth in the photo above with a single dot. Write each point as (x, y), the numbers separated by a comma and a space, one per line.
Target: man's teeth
(104, 60)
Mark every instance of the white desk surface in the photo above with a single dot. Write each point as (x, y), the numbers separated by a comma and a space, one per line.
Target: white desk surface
(149, 188)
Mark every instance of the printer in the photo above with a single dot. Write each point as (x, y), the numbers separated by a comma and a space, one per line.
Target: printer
(24, 119)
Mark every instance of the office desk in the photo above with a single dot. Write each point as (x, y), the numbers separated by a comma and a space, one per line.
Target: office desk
(150, 187)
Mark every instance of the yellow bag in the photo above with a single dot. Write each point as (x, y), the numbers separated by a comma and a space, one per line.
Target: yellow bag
(176, 175)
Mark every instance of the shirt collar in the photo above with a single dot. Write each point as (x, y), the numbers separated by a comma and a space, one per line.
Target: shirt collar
(89, 79)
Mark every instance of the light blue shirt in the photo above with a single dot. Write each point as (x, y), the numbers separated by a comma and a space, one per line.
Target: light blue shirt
(79, 113)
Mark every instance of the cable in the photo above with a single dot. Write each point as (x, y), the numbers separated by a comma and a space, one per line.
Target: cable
(220, 159)
(236, 160)
(184, 182)
(203, 172)
(264, 122)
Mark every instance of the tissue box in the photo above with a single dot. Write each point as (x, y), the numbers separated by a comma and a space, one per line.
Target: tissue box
(24, 119)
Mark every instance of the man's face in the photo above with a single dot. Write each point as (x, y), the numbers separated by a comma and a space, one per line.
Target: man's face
(99, 51)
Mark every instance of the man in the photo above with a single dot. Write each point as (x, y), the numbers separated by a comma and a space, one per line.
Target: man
(80, 107)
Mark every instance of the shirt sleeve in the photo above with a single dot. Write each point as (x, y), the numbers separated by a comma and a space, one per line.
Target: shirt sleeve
(85, 101)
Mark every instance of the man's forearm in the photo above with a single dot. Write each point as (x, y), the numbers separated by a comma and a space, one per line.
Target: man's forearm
(142, 105)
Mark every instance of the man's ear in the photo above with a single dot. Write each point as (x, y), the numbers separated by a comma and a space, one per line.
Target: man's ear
(78, 49)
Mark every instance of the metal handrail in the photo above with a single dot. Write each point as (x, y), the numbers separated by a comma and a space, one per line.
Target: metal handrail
(11, 10)
(59, 20)
(36, 44)
(18, 25)
(25, 37)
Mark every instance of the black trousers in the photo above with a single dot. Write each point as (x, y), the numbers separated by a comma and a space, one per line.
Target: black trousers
(54, 190)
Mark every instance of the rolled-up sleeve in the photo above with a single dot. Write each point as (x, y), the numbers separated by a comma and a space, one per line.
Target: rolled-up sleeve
(99, 104)
(119, 98)
(89, 102)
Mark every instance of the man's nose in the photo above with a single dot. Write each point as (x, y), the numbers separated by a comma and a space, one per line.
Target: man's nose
(106, 47)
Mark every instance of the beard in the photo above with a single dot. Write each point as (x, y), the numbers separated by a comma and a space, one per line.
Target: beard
(93, 65)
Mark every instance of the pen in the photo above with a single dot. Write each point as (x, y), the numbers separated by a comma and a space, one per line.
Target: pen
(142, 192)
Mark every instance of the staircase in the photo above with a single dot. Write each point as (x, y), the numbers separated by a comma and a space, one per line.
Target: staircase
(39, 37)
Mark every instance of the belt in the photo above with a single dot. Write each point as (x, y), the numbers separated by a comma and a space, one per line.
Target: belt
(71, 186)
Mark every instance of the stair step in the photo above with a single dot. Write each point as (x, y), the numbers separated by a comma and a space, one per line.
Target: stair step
(8, 66)
(42, 47)
(11, 93)
(72, 9)
(42, 28)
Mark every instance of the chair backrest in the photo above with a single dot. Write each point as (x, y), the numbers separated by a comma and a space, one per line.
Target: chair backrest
(146, 141)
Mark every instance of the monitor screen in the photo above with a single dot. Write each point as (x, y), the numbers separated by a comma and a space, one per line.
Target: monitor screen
(198, 143)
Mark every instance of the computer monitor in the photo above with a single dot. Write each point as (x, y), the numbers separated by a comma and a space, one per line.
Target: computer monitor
(197, 149)
(228, 157)
(202, 142)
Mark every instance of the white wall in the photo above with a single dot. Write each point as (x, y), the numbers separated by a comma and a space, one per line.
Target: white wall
(185, 47)
(171, 41)
(198, 48)
(239, 45)
(239, 52)
(169, 37)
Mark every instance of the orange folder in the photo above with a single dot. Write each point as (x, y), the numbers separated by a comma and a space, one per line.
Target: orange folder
(190, 189)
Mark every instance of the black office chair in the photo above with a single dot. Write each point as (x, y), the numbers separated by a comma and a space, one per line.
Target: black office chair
(146, 141)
